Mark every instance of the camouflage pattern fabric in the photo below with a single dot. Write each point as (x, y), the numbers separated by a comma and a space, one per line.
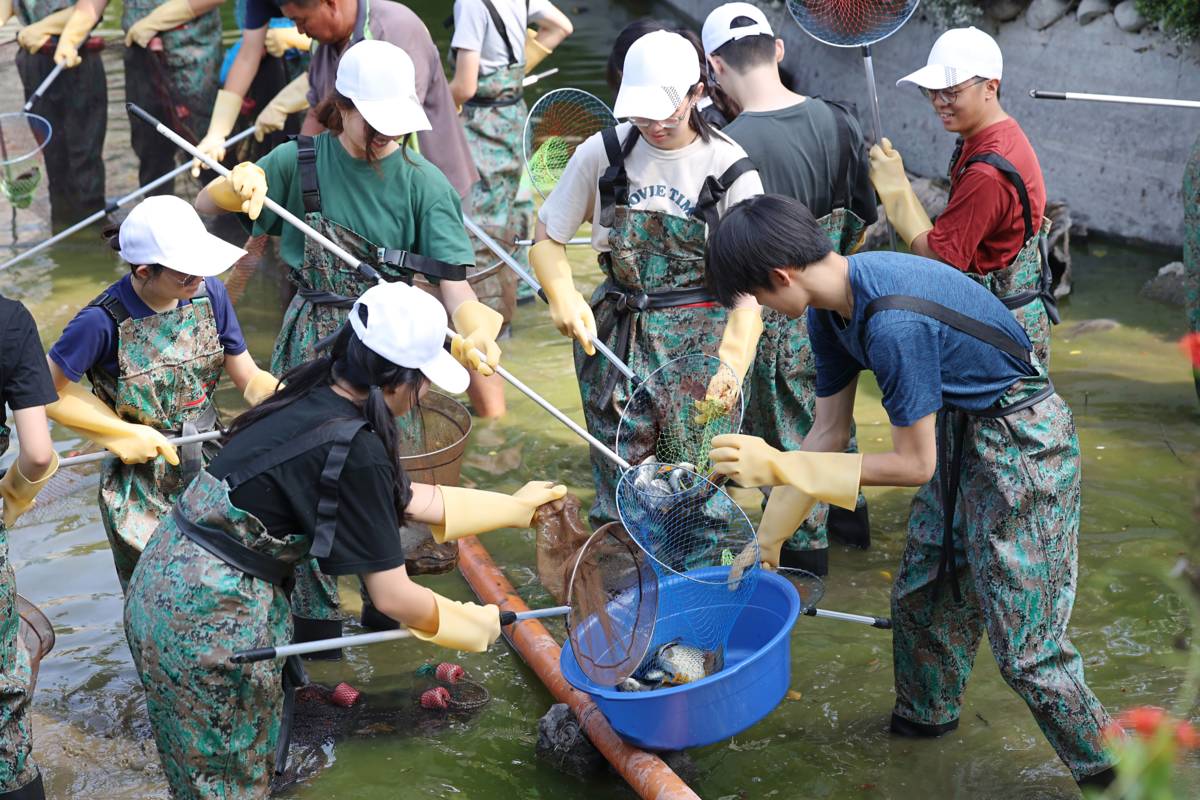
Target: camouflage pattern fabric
(1022, 275)
(169, 367)
(494, 135)
(216, 724)
(781, 383)
(1191, 246)
(651, 251)
(177, 84)
(1016, 539)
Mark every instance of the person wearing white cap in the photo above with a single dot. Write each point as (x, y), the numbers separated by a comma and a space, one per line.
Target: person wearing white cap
(651, 188)
(382, 202)
(811, 150)
(314, 471)
(153, 345)
(993, 227)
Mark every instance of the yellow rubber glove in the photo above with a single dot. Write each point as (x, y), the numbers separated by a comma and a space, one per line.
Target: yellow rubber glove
(168, 16)
(477, 326)
(535, 51)
(903, 209)
(291, 98)
(739, 342)
(36, 34)
(19, 492)
(243, 191)
(786, 510)
(260, 386)
(6, 11)
(84, 413)
(463, 626)
(749, 461)
(471, 511)
(225, 113)
(280, 40)
(73, 35)
(569, 311)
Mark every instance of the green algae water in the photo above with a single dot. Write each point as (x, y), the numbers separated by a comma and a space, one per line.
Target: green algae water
(1138, 420)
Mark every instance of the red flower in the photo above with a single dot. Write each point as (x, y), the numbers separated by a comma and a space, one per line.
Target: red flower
(1145, 720)
(1186, 736)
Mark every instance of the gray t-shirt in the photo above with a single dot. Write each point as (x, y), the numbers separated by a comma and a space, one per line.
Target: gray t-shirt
(473, 29)
(446, 145)
(796, 150)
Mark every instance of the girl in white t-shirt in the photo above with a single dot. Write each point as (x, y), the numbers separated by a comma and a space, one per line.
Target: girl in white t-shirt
(650, 188)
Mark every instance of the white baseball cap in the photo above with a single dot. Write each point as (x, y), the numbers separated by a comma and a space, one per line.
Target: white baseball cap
(408, 327)
(381, 80)
(166, 230)
(660, 68)
(717, 30)
(958, 55)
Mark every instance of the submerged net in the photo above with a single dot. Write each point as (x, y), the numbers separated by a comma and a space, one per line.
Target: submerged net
(557, 124)
(851, 23)
(22, 138)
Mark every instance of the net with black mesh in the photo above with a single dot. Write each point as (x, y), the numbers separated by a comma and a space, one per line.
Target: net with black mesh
(22, 138)
(670, 420)
(558, 123)
(851, 23)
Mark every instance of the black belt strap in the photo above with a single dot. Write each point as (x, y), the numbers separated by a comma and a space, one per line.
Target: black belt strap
(409, 262)
(234, 553)
(319, 297)
(714, 191)
(495, 102)
(948, 316)
(306, 160)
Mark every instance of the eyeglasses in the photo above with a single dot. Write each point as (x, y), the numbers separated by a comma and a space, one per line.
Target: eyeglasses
(186, 280)
(950, 96)
(670, 123)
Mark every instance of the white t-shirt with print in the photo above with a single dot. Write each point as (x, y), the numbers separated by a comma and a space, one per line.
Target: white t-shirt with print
(659, 180)
(474, 30)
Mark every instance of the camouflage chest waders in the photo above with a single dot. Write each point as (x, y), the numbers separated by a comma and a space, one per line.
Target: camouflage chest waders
(1025, 286)
(212, 582)
(653, 305)
(1191, 247)
(1000, 520)
(326, 290)
(494, 120)
(168, 368)
(19, 775)
(176, 84)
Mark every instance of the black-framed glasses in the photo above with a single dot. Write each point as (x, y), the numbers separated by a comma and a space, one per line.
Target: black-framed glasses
(950, 96)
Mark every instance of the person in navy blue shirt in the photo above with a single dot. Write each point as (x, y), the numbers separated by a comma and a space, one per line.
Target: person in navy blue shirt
(975, 420)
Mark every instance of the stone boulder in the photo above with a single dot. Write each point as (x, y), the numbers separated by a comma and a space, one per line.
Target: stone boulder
(1167, 286)
(562, 742)
(1044, 13)
(1129, 19)
(1090, 10)
(1003, 10)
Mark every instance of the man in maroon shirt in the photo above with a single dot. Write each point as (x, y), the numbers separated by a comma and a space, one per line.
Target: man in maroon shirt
(992, 226)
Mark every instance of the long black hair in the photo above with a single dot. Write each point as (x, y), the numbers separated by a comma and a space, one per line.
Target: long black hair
(353, 363)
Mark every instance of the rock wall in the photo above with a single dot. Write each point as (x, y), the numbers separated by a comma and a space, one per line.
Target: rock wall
(1119, 167)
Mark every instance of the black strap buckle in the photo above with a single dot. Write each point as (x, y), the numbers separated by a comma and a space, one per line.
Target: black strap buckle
(627, 302)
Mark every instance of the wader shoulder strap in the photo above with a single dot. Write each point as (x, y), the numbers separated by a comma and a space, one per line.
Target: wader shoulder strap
(714, 190)
(960, 322)
(845, 144)
(614, 183)
(306, 163)
(112, 305)
(501, 30)
(1005, 168)
(409, 262)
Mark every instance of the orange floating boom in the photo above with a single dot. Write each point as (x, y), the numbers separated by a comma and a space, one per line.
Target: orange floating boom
(646, 773)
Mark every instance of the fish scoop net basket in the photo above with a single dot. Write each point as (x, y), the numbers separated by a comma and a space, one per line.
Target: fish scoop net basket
(851, 23)
(702, 548)
(22, 138)
(558, 123)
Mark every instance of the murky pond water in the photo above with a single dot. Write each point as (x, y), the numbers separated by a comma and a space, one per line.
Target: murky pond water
(1137, 415)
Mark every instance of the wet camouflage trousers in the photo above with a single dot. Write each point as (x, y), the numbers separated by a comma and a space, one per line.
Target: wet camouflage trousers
(1016, 534)
(1191, 246)
(216, 724)
(1022, 275)
(17, 767)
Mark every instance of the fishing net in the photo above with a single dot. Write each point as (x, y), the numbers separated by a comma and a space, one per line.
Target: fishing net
(669, 421)
(557, 124)
(810, 588)
(560, 532)
(36, 636)
(701, 546)
(851, 23)
(614, 600)
(22, 138)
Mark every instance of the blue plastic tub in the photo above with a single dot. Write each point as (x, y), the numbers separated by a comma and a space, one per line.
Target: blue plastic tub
(755, 679)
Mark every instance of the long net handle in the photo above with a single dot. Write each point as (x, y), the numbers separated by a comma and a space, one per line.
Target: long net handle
(88, 458)
(876, 122)
(43, 86)
(1167, 102)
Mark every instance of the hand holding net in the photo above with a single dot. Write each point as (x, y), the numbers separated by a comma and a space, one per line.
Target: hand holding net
(558, 123)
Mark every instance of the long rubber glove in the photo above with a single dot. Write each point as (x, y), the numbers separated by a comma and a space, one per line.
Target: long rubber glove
(260, 386)
(280, 40)
(569, 311)
(168, 16)
(739, 342)
(904, 210)
(749, 461)
(36, 34)
(6, 11)
(470, 511)
(463, 626)
(535, 51)
(226, 110)
(19, 492)
(85, 414)
(289, 100)
(477, 326)
(242, 191)
(73, 35)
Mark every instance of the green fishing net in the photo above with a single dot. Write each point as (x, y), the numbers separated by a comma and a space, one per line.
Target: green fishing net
(22, 138)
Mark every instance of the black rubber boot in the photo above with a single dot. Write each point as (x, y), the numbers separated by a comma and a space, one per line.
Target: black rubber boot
(314, 630)
(30, 791)
(851, 528)
(904, 727)
(375, 620)
(1098, 780)
(814, 561)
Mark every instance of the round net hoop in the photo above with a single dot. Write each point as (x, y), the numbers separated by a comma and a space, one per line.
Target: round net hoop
(23, 136)
(558, 123)
(851, 23)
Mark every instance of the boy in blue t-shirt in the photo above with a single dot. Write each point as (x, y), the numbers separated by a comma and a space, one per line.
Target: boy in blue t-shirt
(974, 419)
